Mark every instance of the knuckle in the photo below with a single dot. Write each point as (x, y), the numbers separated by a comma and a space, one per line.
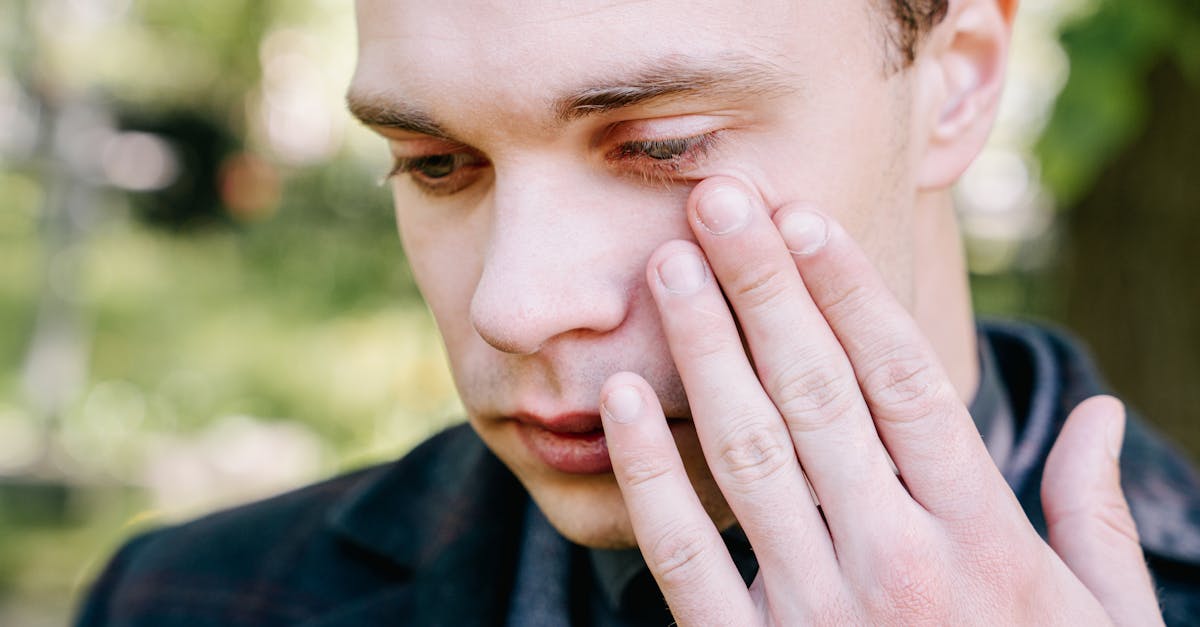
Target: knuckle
(999, 563)
(908, 584)
(759, 288)
(1008, 571)
(976, 531)
(1113, 517)
(810, 395)
(848, 303)
(645, 467)
(754, 452)
(906, 385)
(707, 327)
(976, 509)
(708, 345)
(677, 555)
(1106, 520)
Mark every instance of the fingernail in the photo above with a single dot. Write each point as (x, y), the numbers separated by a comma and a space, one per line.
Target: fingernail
(623, 404)
(724, 210)
(682, 273)
(1115, 435)
(804, 232)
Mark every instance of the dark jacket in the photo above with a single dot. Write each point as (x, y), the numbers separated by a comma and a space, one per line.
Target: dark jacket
(433, 539)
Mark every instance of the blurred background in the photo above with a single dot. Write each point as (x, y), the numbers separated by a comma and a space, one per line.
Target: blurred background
(203, 300)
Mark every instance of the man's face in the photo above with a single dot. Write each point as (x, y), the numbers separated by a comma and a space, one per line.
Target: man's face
(548, 150)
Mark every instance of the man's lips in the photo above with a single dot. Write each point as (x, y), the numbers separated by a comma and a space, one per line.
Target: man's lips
(570, 443)
(563, 424)
(573, 443)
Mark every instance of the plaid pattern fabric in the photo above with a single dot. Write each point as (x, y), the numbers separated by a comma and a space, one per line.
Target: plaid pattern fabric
(434, 539)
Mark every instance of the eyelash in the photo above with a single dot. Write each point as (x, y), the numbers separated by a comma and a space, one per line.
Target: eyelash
(677, 155)
(459, 160)
(682, 154)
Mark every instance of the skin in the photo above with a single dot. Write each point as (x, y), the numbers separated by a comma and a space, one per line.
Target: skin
(568, 272)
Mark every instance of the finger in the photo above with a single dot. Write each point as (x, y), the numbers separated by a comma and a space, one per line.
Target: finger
(678, 540)
(798, 360)
(745, 442)
(916, 410)
(1088, 518)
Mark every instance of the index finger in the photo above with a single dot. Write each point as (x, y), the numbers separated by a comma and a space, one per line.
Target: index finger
(674, 532)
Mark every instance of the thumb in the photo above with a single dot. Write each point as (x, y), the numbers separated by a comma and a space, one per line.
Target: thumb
(1090, 526)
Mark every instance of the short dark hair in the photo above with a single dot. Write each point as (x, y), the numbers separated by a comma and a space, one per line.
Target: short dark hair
(912, 19)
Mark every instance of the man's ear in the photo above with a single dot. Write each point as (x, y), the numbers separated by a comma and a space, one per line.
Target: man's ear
(960, 75)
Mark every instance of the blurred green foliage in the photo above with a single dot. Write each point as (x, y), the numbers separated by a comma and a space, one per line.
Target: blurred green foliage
(285, 343)
(1112, 48)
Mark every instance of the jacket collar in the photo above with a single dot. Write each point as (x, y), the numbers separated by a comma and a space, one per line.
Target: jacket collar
(1047, 374)
(448, 515)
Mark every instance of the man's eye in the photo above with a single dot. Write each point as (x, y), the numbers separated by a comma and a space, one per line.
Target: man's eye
(661, 150)
(435, 167)
(440, 174)
(663, 157)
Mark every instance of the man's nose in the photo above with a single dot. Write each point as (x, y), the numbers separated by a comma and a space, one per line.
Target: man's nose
(551, 270)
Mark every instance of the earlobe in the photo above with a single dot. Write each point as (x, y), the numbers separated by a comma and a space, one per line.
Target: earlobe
(960, 82)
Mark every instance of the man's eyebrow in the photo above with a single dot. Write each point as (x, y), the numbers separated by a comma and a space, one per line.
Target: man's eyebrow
(384, 112)
(675, 77)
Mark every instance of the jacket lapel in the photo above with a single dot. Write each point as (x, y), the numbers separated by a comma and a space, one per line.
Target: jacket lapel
(449, 514)
(1048, 374)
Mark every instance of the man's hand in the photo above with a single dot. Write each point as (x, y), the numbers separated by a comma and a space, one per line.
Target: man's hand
(840, 371)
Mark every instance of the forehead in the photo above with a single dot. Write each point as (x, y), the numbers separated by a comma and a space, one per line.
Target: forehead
(509, 57)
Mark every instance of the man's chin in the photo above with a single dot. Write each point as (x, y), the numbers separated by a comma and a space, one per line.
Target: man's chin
(604, 542)
(589, 509)
(590, 513)
(586, 508)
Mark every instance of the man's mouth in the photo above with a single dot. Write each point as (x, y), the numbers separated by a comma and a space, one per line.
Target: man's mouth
(571, 443)
(563, 424)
